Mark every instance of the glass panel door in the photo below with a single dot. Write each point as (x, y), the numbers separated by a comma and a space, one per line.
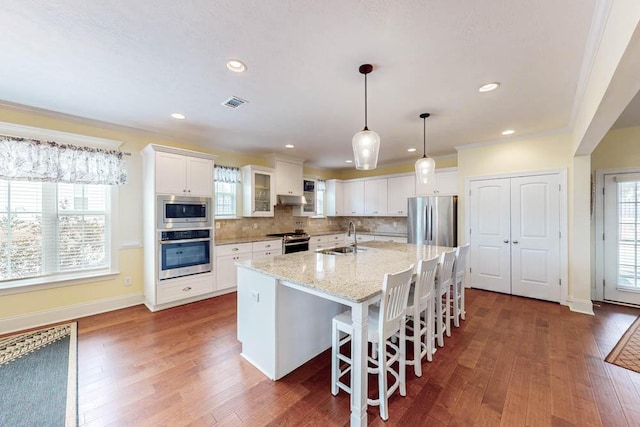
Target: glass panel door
(262, 192)
(622, 238)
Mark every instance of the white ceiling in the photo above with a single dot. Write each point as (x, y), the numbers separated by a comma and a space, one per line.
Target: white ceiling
(134, 62)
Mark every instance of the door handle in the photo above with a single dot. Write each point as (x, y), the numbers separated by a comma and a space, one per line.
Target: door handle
(506, 241)
(515, 242)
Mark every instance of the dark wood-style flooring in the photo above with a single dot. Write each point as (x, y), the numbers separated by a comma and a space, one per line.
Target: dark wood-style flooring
(513, 362)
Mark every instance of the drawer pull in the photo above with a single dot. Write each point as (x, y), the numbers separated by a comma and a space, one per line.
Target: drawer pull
(267, 246)
(235, 249)
(187, 289)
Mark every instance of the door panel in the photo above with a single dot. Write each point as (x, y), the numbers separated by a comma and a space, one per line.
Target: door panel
(535, 237)
(515, 236)
(622, 238)
(490, 226)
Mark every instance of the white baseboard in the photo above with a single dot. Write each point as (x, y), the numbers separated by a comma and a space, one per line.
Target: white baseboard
(61, 314)
(584, 306)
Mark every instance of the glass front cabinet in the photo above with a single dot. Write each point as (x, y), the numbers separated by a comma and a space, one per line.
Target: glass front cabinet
(258, 195)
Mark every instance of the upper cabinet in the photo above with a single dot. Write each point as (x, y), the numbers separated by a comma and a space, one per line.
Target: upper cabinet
(335, 197)
(444, 183)
(288, 175)
(258, 197)
(399, 189)
(314, 206)
(184, 175)
(353, 198)
(375, 197)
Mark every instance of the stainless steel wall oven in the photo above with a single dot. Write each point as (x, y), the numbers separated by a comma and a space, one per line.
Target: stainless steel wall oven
(184, 252)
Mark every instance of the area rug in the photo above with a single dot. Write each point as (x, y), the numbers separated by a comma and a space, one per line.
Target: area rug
(38, 377)
(627, 352)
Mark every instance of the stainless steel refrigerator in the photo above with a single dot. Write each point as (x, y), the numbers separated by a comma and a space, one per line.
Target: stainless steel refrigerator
(433, 220)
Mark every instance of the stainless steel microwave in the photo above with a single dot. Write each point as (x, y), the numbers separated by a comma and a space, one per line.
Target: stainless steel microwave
(183, 212)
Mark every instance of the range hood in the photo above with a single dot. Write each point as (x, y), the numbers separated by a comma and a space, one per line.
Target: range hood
(285, 200)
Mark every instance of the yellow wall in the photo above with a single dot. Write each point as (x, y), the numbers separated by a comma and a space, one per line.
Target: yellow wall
(620, 148)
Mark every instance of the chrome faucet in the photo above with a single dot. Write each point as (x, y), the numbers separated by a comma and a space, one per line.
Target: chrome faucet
(355, 236)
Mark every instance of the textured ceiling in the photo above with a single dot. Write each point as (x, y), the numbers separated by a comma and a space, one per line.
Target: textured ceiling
(133, 63)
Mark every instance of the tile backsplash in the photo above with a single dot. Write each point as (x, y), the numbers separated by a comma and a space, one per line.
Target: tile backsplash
(284, 221)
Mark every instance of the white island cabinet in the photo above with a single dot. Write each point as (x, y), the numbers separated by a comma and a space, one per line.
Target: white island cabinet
(286, 304)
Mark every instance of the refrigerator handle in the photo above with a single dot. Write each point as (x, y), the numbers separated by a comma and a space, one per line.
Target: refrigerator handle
(430, 224)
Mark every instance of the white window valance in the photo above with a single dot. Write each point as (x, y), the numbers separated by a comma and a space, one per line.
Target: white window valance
(33, 160)
(227, 174)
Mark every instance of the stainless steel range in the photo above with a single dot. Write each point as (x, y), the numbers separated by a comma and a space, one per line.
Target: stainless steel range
(293, 242)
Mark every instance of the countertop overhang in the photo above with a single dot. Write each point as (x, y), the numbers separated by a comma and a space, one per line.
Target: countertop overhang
(356, 277)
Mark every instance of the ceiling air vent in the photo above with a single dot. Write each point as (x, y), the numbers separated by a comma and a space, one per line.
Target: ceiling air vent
(234, 102)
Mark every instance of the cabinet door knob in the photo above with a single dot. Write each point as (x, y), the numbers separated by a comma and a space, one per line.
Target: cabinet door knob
(187, 289)
(515, 242)
(506, 241)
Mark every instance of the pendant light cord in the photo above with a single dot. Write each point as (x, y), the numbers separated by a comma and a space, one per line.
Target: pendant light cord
(424, 137)
(365, 103)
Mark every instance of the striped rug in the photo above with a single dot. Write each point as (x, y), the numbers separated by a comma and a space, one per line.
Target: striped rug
(38, 377)
(627, 352)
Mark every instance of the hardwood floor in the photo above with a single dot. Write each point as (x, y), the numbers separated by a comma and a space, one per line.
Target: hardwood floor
(513, 362)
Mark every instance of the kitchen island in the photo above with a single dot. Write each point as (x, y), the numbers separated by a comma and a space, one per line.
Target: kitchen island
(286, 303)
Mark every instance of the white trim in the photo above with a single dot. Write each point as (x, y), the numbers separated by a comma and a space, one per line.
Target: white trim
(21, 131)
(157, 307)
(584, 306)
(50, 282)
(133, 244)
(70, 312)
(154, 148)
(597, 291)
(564, 213)
(599, 20)
(507, 140)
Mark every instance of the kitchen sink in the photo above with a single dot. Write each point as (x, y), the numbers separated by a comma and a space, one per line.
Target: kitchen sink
(341, 250)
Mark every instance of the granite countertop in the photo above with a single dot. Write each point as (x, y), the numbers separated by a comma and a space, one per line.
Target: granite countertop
(355, 277)
(238, 240)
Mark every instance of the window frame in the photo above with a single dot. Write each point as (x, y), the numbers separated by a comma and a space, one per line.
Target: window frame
(238, 197)
(17, 286)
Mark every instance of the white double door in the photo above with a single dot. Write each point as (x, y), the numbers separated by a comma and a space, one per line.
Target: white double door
(515, 236)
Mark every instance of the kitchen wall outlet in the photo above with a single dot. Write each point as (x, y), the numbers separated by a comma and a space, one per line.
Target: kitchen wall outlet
(359, 223)
(255, 225)
(395, 224)
(255, 296)
(127, 280)
(217, 226)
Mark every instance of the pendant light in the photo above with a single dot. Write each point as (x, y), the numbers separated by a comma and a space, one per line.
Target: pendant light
(366, 143)
(426, 166)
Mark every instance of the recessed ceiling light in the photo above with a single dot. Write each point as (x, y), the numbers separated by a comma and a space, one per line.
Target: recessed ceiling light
(178, 116)
(236, 66)
(411, 150)
(349, 161)
(289, 146)
(508, 132)
(489, 87)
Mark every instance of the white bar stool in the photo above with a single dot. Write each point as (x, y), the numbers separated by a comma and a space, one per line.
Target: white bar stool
(443, 300)
(459, 282)
(383, 322)
(421, 311)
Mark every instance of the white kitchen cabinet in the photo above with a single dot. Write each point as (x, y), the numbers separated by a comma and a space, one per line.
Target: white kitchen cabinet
(266, 249)
(258, 196)
(353, 193)
(181, 288)
(361, 238)
(310, 193)
(399, 189)
(444, 183)
(392, 239)
(288, 178)
(226, 257)
(178, 174)
(375, 197)
(334, 196)
(326, 241)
